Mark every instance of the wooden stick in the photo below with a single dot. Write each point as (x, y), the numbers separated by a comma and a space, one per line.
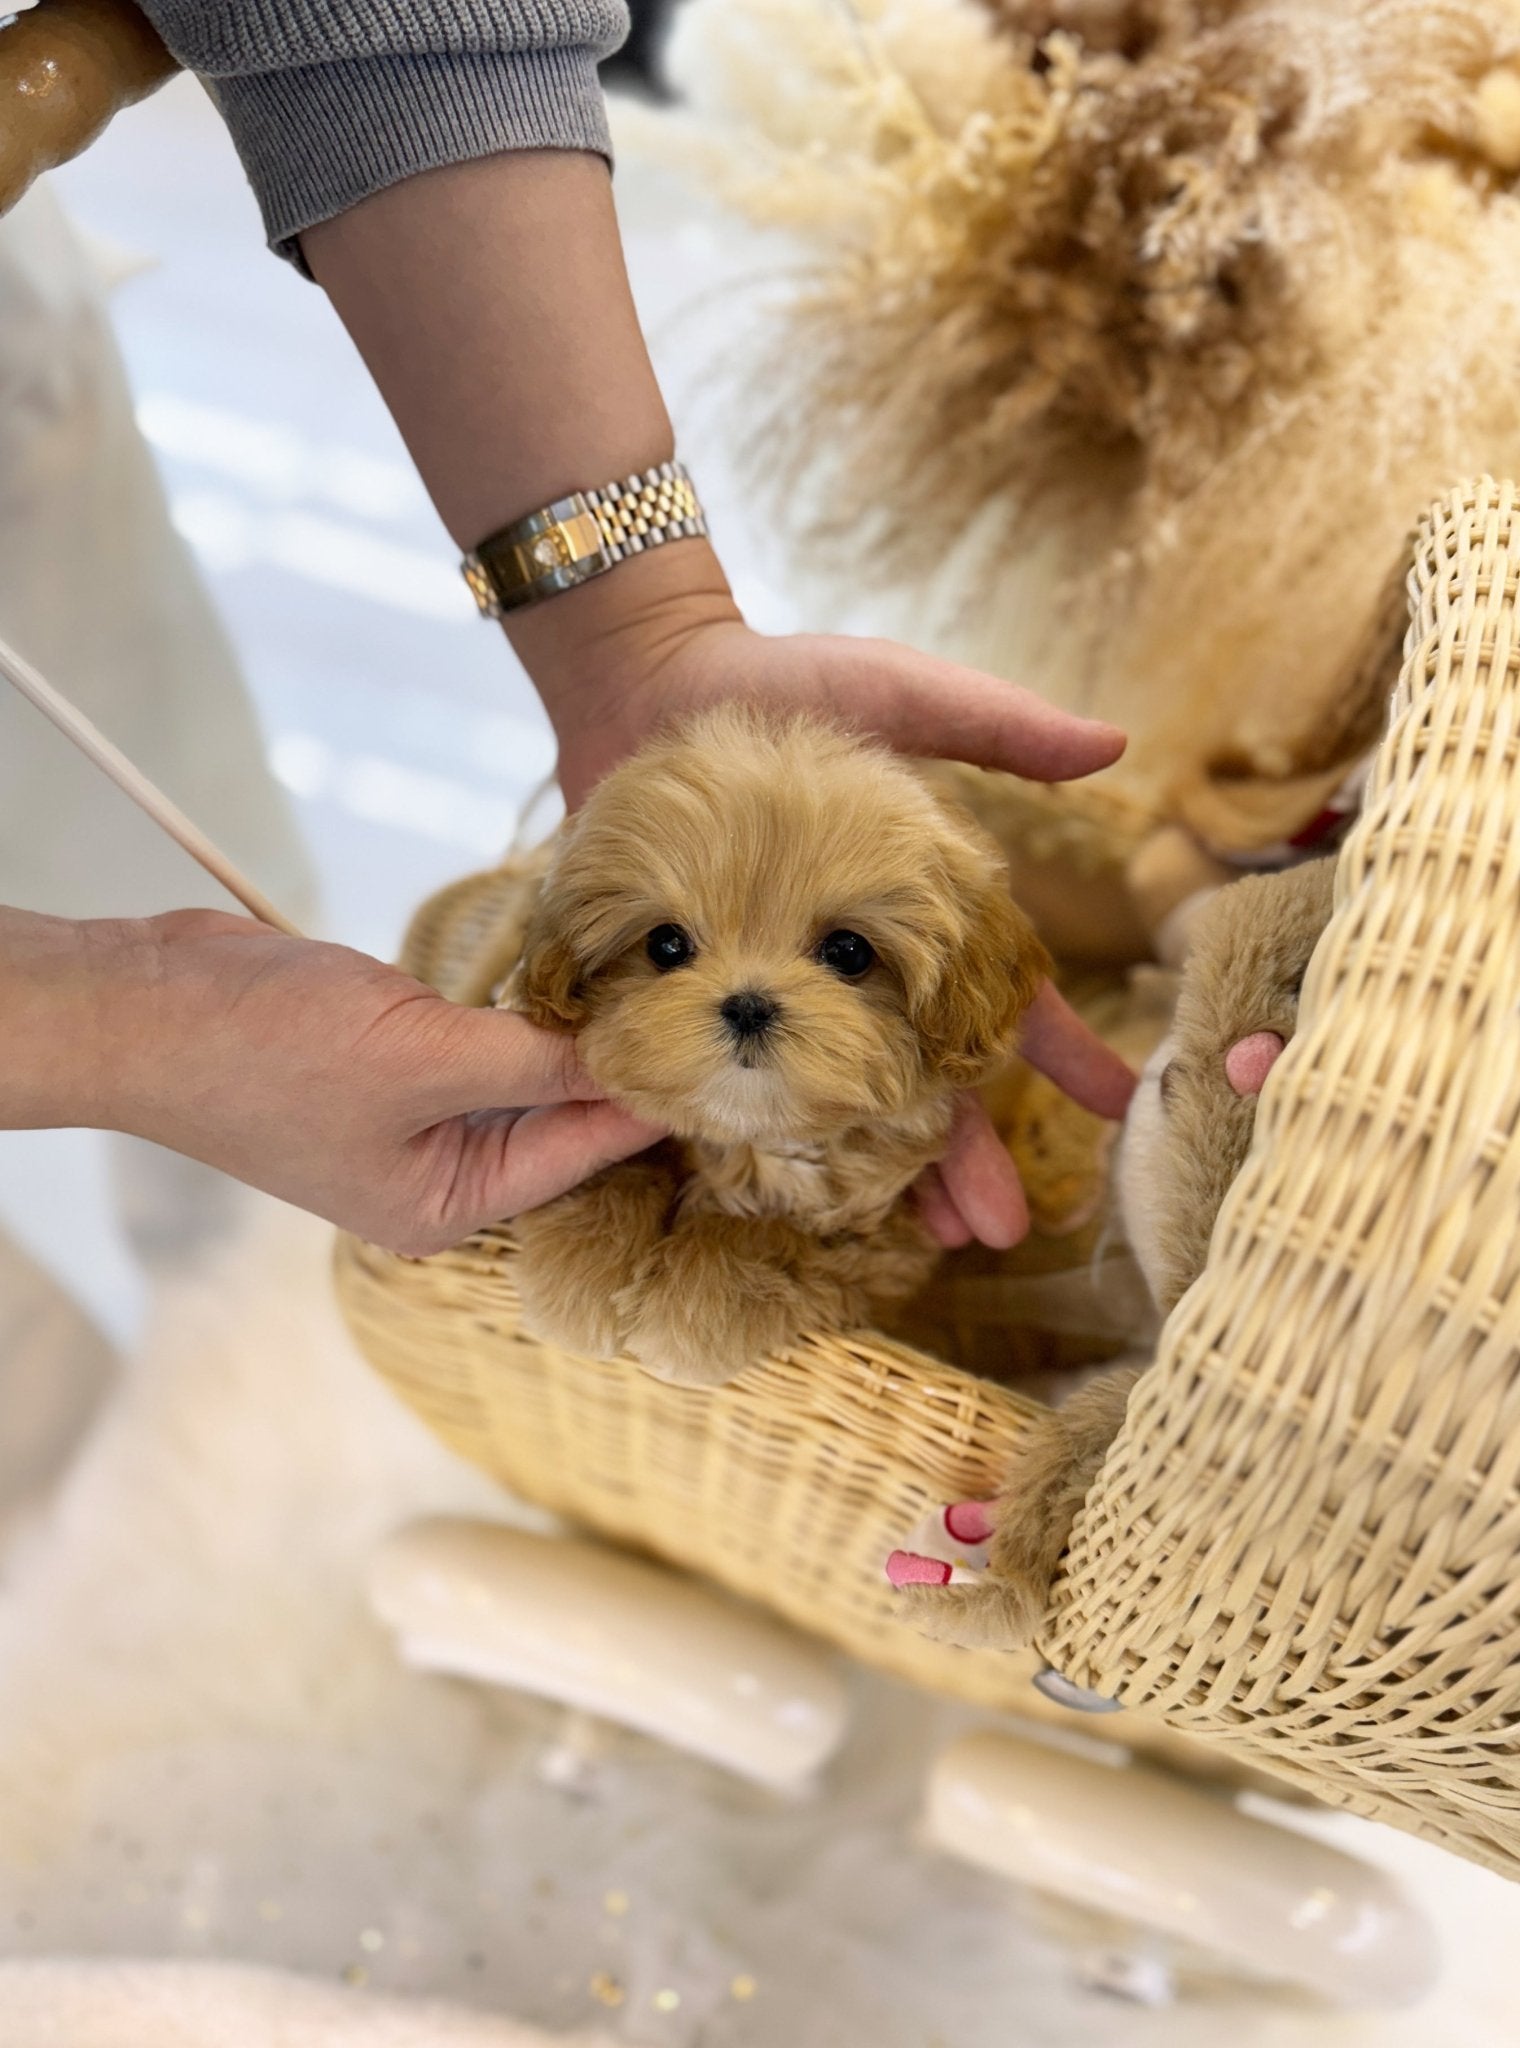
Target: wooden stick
(94, 745)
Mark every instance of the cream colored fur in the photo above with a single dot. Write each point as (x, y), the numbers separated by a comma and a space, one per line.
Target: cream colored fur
(1185, 1138)
(781, 1202)
(1123, 359)
(1188, 1133)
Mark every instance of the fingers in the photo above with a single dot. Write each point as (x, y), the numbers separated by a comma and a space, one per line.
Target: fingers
(1066, 1051)
(981, 1181)
(924, 705)
(944, 1222)
(491, 1059)
(550, 1150)
(517, 1163)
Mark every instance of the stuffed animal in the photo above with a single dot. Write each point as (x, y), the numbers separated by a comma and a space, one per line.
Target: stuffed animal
(774, 941)
(1185, 1138)
(1123, 343)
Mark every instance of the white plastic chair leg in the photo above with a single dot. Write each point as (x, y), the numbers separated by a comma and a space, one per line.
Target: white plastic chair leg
(1130, 1842)
(614, 1636)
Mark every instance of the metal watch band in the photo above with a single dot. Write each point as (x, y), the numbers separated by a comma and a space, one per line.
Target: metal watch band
(581, 536)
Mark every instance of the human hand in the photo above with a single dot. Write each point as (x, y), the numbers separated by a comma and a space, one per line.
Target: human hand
(974, 1192)
(431, 277)
(319, 1075)
(619, 660)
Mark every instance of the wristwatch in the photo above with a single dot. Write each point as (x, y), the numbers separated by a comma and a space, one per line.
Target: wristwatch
(584, 535)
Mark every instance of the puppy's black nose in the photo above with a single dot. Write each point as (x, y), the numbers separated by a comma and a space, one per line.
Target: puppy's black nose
(748, 1013)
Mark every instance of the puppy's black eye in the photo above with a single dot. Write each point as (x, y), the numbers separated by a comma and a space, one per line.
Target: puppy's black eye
(668, 946)
(847, 953)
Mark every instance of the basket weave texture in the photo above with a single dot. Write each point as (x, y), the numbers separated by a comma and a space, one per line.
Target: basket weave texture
(1306, 1541)
(1304, 1547)
(790, 1485)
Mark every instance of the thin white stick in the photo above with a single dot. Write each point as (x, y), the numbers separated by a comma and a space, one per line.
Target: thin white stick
(94, 745)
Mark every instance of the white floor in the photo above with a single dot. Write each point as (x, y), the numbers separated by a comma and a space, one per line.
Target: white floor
(409, 739)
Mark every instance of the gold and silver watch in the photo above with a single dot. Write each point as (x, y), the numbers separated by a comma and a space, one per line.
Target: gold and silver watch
(582, 536)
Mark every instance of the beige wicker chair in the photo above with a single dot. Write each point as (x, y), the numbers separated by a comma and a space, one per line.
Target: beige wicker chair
(1305, 1547)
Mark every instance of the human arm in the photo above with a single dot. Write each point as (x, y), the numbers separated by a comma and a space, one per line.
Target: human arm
(489, 298)
(312, 1072)
(550, 332)
(518, 379)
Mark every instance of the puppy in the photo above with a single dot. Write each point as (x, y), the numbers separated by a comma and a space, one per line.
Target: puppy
(1185, 1138)
(772, 940)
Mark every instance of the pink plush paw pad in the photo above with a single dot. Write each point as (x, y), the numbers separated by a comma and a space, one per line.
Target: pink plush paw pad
(947, 1548)
(1249, 1061)
(970, 1521)
(907, 1568)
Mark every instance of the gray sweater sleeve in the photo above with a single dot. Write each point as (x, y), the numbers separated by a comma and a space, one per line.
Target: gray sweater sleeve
(330, 100)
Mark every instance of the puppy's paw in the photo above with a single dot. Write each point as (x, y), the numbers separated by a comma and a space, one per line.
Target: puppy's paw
(691, 1346)
(713, 1299)
(583, 1322)
(950, 1594)
(578, 1253)
(1001, 1604)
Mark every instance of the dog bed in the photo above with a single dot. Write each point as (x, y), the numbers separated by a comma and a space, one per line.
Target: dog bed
(1303, 1551)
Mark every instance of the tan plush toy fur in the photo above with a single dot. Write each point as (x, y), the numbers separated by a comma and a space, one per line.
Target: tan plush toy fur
(1185, 1138)
(1123, 343)
(774, 941)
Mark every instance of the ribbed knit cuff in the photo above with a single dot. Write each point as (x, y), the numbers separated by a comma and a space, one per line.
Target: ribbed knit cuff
(318, 139)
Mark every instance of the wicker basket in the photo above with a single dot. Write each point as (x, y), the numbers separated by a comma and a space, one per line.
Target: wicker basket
(1303, 1547)
(1306, 1542)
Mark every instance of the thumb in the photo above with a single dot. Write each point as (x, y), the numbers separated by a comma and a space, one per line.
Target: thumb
(924, 705)
(980, 1181)
(508, 1164)
(494, 1059)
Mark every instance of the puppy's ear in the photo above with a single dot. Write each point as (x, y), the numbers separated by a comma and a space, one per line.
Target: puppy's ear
(548, 983)
(968, 1018)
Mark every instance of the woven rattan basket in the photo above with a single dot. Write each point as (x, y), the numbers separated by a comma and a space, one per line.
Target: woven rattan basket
(1305, 1546)
(1306, 1542)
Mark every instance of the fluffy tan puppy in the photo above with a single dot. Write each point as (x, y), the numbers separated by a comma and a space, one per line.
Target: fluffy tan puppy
(772, 940)
(1185, 1138)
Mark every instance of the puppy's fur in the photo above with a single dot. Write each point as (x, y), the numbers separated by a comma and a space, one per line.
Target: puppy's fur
(780, 1202)
(1185, 1138)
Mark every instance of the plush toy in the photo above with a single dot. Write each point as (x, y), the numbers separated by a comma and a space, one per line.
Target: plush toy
(774, 941)
(1185, 1138)
(1121, 345)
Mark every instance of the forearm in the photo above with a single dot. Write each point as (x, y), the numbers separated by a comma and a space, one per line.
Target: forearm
(491, 304)
(62, 1035)
(327, 103)
(517, 379)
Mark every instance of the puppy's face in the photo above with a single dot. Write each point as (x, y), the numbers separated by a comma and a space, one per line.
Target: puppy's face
(1191, 1122)
(768, 932)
